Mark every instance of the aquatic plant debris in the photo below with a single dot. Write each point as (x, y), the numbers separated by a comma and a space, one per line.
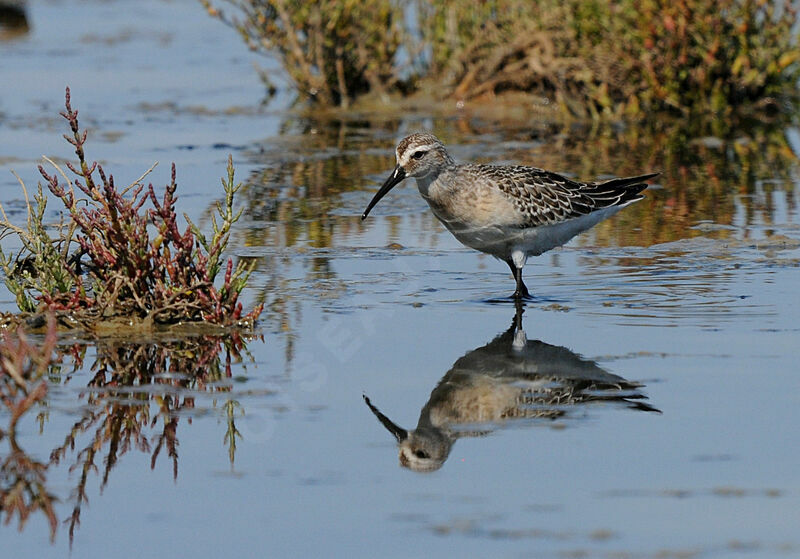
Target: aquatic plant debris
(119, 259)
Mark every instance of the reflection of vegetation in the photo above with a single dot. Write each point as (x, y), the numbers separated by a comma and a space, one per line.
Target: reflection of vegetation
(123, 405)
(23, 488)
(300, 188)
(703, 179)
(232, 432)
(119, 274)
(134, 401)
(593, 57)
(294, 202)
(22, 367)
(22, 479)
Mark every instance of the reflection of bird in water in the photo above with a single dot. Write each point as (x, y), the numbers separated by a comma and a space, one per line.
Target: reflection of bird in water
(508, 211)
(510, 378)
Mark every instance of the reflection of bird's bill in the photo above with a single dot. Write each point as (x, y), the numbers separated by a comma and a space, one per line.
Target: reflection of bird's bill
(399, 433)
(394, 179)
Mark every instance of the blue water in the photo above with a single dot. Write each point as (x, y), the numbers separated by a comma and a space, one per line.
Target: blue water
(702, 314)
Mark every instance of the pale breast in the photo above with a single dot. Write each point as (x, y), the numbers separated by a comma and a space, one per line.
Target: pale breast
(461, 196)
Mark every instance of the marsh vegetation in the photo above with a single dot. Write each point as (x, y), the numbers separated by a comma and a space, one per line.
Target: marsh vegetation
(598, 59)
(118, 258)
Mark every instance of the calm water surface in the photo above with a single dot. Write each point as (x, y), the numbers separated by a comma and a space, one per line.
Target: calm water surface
(643, 405)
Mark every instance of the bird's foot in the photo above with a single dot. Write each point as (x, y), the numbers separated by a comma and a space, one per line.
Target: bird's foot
(522, 294)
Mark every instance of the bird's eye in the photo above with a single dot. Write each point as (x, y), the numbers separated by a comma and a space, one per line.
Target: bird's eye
(420, 454)
(418, 154)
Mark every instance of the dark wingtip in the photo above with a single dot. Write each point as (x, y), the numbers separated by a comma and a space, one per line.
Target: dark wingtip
(625, 181)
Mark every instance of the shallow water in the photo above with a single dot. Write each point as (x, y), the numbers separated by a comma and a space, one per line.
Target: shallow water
(691, 293)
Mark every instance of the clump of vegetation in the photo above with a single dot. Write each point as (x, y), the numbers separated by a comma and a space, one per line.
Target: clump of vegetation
(598, 58)
(707, 57)
(117, 260)
(333, 51)
(500, 45)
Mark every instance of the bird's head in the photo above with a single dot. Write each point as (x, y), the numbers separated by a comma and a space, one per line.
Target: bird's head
(418, 156)
(421, 450)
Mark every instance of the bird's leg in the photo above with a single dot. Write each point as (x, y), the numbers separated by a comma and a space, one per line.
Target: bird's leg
(522, 291)
(519, 307)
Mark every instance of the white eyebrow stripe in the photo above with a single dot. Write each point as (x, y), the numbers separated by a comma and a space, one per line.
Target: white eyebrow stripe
(406, 155)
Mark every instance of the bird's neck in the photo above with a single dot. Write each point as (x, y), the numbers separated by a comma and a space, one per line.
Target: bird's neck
(431, 187)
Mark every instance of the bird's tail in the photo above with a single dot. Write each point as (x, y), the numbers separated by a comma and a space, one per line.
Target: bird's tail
(619, 191)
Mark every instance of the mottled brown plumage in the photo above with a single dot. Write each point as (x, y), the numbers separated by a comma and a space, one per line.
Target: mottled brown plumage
(545, 198)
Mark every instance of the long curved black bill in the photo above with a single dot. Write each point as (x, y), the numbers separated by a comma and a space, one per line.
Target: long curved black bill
(397, 176)
(399, 433)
